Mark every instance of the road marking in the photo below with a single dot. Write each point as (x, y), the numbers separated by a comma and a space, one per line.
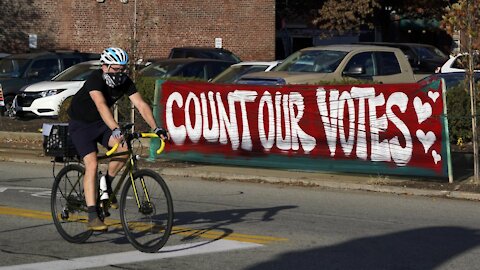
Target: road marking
(136, 256)
(34, 191)
(2, 189)
(176, 230)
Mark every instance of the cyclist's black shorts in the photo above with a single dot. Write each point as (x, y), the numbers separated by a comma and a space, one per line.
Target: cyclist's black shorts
(86, 136)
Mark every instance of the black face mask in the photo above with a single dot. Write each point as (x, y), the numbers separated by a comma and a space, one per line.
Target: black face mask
(114, 79)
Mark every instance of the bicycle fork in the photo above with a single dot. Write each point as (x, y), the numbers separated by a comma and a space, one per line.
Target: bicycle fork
(144, 207)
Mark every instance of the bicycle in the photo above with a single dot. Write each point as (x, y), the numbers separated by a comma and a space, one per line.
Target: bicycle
(146, 207)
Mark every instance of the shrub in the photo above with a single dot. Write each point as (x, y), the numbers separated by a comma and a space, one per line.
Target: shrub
(459, 113)
(62, 112)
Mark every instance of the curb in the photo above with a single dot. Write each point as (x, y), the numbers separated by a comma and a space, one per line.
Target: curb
(323, 184)
(35, 156)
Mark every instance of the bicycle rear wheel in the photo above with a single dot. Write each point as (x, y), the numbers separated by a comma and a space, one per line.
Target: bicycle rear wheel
(69, 211)
(147, 222)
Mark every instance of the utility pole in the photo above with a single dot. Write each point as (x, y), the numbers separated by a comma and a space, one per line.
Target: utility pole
(134, 50)
(473, 94)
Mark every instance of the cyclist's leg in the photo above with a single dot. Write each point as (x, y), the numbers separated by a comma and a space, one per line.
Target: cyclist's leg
(115, 164)
(91, 164)
(89, 186)
(85, 137)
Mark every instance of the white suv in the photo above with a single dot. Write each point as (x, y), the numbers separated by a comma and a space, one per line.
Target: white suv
(45, 98)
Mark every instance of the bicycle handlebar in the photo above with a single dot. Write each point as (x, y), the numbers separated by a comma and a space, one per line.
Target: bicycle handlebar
(137, 135)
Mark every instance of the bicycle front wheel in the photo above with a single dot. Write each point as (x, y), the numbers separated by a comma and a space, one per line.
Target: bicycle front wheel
(146, 211)
(68, 206)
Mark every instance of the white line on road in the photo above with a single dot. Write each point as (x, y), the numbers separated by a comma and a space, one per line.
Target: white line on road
(2, 189)
(136, 256)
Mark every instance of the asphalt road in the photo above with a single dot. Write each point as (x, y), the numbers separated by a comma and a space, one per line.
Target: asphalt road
(231, 225)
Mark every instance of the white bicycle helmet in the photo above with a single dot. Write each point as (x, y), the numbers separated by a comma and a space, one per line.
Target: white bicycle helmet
(114, 56)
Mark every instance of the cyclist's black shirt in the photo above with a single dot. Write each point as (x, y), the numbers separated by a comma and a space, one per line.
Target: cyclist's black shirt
(83, 108)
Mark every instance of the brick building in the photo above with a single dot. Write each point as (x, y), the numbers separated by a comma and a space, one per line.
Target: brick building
(246, 27)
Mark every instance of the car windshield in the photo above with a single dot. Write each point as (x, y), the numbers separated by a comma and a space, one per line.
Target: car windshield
(226, 56)
(162, 69)
(11, 67)
(321, 61)
(429, 52)
(232, 73)
(461, 62)
(76, 73)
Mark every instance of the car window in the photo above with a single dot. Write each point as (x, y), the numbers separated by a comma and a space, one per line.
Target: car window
(70, 61)
(213, 69)
(161, 69)
(177, 54)
(461, 62)
(11, 66)
(387, 63)
(363, 60)
(321, 61)
(429, 52)
(232, 73)
(196, 70)
(76, 73)
(44, 69)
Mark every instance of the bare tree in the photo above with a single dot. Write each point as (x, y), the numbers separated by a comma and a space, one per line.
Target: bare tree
(464, 16)
(18, 18)
(339, 16)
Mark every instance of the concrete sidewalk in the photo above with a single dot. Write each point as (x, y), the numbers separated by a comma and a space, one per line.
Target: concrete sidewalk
(27, 148)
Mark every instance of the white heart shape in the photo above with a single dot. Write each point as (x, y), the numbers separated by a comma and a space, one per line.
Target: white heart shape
(433, 95)
(423, 111)
(427, 140)
(436, 157)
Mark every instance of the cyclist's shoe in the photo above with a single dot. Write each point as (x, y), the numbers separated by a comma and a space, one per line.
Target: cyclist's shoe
(114, 203)
(96, 225)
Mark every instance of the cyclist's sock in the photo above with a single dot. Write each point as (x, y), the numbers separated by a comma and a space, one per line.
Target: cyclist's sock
(92, 212)
(109, 180)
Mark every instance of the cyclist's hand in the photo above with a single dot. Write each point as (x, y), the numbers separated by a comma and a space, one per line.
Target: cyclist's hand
(162, 133)
(117, 134)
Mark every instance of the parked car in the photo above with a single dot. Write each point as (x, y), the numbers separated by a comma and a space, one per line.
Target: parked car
(459, 63)
(235, 71)
(19, 70)
(3, 55)
(423, 58)
(452, 79)
(2, 102)
(202, 69)
(43, 99)
(337, 62)
(203, 52)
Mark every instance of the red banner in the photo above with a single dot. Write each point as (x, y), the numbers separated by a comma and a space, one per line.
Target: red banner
(399, 124)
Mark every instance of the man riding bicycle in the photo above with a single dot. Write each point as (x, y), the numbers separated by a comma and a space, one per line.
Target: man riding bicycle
(92, 122)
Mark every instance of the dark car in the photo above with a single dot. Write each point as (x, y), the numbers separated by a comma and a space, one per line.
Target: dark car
(452, 79)
(2, 101)
(19, 70)
(203, 52)
(202, 69)
(423, 58)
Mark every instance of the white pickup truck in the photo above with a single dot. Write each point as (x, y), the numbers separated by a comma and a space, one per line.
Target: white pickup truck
(315, 65)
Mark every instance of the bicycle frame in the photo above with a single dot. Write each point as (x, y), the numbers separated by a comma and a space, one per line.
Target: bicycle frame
(130, 167)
